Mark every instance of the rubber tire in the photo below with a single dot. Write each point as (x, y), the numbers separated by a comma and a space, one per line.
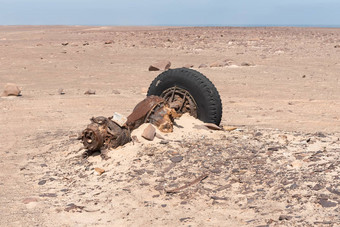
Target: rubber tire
(205, 94)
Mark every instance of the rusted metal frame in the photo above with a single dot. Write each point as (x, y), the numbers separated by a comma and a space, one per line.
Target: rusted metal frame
(152, 111)
(173, 94)
(185, 95)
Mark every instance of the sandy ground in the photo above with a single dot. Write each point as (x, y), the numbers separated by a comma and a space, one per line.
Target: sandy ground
(279, 168)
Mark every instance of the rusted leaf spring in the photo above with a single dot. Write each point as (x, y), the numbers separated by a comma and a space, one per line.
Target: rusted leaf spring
(104, 133)
(180, 100)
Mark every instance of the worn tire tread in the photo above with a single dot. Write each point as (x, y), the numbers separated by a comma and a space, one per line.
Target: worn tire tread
(199, 86)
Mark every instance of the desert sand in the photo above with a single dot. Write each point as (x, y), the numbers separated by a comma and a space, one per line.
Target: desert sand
(279, 87)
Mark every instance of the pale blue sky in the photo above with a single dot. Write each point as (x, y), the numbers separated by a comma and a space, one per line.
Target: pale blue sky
(170, 12)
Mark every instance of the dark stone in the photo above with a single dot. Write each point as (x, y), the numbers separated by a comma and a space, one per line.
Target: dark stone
(184, 219)
(216, 171)
(48, 195)
(42, 182)
(202, 66)
(285, 217)
(164, 142)
(163, 205)
(320, 134)
(273, 148)
(218, 198)
(317, 187)
(139, 171)
(90, 92)
(258, 134)
(245, 64)
(294, 186)
(323, 223)
(176, 159)
(235, 171)
(334, 191)
(326, 204)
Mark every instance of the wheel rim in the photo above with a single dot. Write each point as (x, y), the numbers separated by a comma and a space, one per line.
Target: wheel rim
(180, 100)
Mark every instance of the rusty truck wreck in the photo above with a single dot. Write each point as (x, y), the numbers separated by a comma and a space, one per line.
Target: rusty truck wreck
(171, 94)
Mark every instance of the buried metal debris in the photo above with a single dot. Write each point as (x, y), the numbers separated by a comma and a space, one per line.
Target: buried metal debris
(108, 133)
(171, 94)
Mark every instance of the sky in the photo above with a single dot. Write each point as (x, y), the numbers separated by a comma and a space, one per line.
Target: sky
(171, 12)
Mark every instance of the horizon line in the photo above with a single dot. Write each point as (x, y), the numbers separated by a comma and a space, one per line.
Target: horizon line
(188, 25)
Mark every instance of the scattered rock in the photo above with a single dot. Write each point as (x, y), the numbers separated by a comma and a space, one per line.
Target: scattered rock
(64, 43)
(99, 170)
(202, 66)
(73, 207)
(320, 134)
(337, 46)
(285, 217)
(326, 204)
(216, 64)
(86, 43)
(188, 66)
(184, 219)
(334, 191)
(90, 92)
(109, 42)
(223, 63)
(216, 170)
(164, 142)
(42, 182)
(61, 91)
(274, 148)
(293, 186)
(218, 198)
(29, 200)
(246, 64)
(176, 159)
(48, 195)
(11, 90)
(149, 133)
(160, 65)
(317, 187)
(258, 134)
(172, 152)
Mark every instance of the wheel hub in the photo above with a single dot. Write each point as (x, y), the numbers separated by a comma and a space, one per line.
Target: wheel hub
(180, 100)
